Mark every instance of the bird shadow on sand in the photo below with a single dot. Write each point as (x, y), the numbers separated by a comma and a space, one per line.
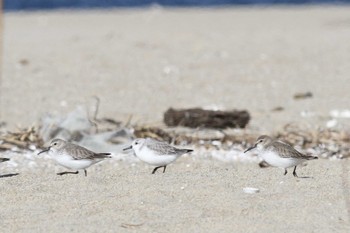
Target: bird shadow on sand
(9, 175)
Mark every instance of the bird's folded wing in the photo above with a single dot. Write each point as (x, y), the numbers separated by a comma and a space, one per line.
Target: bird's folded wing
(78, 152)
(161, 148)
(287, 151)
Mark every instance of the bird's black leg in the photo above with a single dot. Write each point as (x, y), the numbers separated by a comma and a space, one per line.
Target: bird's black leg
(164, 169)
(85, 172)
(294, 172)
(285, 171)
(155, 169)
(64, 173)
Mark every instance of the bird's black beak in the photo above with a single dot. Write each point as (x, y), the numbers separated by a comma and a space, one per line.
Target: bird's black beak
(128, 148)
(46, 150)
(250, 148)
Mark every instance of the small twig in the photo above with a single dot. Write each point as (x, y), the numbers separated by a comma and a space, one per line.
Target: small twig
(94, 120)
(127, 123)
(97, 107)
(15, 142)
(130, 225)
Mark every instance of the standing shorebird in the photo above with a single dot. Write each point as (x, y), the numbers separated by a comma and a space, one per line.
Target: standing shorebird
(73, 156)
(155, 152)
(279, 154)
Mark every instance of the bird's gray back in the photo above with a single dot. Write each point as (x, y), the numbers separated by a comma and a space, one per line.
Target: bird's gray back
(79, 152)
(163, 148)
(285, 150)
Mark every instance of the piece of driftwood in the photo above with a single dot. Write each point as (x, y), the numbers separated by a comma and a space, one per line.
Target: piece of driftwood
(197, 117)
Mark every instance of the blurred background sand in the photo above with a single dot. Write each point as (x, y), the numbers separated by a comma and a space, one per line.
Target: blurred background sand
(140, 62)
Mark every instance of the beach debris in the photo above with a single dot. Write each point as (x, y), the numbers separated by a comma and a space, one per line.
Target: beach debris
(85, 128)
(27, 138)
(23, 61)
(197, 117)
(302, 95)
(212, 135)
(277, 109)
(80, 125)
(325, 142)
(251, 190)
(152, 132)
(9, 175)
(131, 225)
(69, 127)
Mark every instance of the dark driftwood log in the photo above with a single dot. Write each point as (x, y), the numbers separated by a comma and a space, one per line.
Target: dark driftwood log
(197, 117)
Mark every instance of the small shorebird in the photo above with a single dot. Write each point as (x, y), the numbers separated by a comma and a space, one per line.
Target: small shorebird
(155, 152)
(279, 154)
(4, 160)
(73, 156)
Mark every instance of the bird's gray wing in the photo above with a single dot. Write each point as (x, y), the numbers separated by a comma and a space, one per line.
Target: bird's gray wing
(287, 151)
(161, 148)
(78, 152)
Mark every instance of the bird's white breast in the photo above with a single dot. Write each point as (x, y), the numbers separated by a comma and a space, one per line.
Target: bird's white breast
(150, 157)
(275, 160)
(68, 161)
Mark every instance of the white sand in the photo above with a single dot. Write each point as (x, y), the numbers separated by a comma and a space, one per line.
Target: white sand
(192, 196)
(141, 62)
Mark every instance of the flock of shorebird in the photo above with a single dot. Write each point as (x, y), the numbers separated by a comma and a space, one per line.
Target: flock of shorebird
(160, 154)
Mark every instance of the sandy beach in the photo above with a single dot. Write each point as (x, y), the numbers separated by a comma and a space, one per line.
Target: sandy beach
(192, 196)
(140, 62)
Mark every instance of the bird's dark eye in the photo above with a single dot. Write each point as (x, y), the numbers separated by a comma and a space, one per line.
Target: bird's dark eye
(260, 141)
(136, 143)
(55, 144)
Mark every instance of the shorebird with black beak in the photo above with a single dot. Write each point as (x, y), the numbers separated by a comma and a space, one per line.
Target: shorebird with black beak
(72, 156)
(279, 154)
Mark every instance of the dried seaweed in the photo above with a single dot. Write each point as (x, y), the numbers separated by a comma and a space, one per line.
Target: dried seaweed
(22, 139)
(330, 142)
(324, 142)
(152, 132)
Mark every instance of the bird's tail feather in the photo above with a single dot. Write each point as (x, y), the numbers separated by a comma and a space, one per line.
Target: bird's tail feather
(187, 150)
(103, 155)
(311, 157)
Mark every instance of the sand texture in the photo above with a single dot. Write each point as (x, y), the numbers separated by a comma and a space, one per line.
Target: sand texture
(140, 62)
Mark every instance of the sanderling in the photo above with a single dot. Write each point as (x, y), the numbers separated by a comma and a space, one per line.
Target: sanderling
(155, 152)
(279, 154)
(73, 156)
